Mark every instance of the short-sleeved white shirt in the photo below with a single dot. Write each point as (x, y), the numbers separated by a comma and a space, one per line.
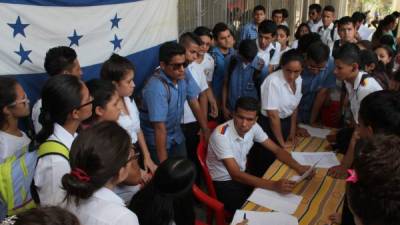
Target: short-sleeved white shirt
(315, 26)
(104, 207)
(130, 122)
(326, 35)
(35, 115)
(201, 81)
(276, 94)
(359, 91)
(265, 54)
(11, 144)
(206, 67)
(226, 143)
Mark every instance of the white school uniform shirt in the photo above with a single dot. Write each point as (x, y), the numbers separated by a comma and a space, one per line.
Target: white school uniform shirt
(358, 91)
(104, 207)
(206, 67)
(35, 116)
(295, 44)
(201, 81)
(265, 54)
(130, 122)
(51, 168)
(11, 144)
(226, 143)
(326, 35)
(276, 94)
(315, 26)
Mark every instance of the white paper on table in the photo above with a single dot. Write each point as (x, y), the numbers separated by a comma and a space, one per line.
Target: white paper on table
(286, 203)
(263, 218)
(327, 159)
(299, 179)
(316, 132)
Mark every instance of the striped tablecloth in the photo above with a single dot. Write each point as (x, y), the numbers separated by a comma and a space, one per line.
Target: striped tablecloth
(322, 195)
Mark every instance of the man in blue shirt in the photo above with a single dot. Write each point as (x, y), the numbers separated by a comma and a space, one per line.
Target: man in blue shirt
(164, 96)
(318, 78)
(249, 31)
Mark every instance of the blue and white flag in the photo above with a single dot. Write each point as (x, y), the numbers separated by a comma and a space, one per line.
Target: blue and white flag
(94, 28)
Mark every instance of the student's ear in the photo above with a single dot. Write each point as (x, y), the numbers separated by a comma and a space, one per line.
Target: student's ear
(115, 83)
(122, 174)
(6, 111)
(99, 111)
(75, 114)
(354, 67)
(163, 65)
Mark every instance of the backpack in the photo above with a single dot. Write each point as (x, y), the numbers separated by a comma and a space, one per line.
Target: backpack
(16, 177)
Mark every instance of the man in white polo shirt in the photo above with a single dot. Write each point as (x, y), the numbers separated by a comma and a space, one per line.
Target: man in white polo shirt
(227, 156)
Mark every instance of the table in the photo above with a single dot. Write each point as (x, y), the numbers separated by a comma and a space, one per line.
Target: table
(322, 195)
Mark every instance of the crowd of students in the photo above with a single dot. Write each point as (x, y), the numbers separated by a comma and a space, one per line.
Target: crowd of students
(100, 149)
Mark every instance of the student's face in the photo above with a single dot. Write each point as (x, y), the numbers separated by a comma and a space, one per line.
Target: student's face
(126, 85)
(85, 110)
(207, 41)
(363, 130)
(175, 69)
(344, 71)
(291, 71)
(75, 69)
(383, 55)
(111, 111)
(20, 107)
(277, 18)
(225, 40)
(264, 40)
(304, 30)
(314, 15)
(282, 37)
(191, 52)
(347, 32)
(244, 120)
(315, 68)
(258, 16)
(327, 18)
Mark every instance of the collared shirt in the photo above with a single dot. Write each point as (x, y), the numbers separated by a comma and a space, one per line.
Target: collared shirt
(315, 26)
(51, 168)
(130, 122)
(311, 84)
(359, 90)
(201, 81)
(326, 35)
(11, 144)
(241, 82)
(166, 105)
(104, 207)
(221, 61)
(206, 67)
(226, 143)
(249, 31)
(265, 54)
(276, 94)
(35, 115)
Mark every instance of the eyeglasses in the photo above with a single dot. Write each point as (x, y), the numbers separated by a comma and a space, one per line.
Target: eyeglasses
(320, 69)
(177, 66)
(133, 155)
(87, 103)
(24, 101)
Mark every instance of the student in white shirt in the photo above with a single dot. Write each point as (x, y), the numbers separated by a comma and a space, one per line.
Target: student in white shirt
(314, 15)
(121, 72)
(228, 148)
(61, 115)
(283, 34)
(13, 105)
(328, 31)
(58, 60)
(101, 158)
(268, 48)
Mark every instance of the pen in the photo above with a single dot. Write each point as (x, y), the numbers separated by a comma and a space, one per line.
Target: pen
(244, 216)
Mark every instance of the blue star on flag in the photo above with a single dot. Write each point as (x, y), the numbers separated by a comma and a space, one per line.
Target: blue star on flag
(115, 21)
(23, 54)
(18, 27)
(74, 39)
(116, 42)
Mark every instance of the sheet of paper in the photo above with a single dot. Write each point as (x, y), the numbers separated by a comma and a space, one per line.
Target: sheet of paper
(287, 203)
(263, 218)
(327, 159)
(316, 132)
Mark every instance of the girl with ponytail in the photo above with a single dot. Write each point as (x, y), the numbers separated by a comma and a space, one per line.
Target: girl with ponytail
(66, 102)
(101, 157)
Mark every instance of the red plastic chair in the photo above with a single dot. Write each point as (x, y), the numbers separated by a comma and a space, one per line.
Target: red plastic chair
(211, 203)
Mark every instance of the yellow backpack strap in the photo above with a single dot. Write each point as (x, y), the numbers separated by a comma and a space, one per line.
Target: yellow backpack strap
(52, 147)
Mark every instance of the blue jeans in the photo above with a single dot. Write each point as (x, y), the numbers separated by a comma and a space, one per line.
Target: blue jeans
(175, 151)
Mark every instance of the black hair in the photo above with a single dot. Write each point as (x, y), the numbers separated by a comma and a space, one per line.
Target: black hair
(381, 111)
(290, 56)
(277, 11)
(61, 94)
(318, 52)
(316, 7)
(248, 49)
(358, 17)
(46, 216)
(267, 27)
(306, 40)
(387, 40)
(168, 196)
(170, 49)
(218, 28)
(115, 68)
(374, 197)
(248, 104)
(258, 8)
(189, 37)
(329, 8)
(380, 29)
(99, 151)
(102, 92)
(366, 44)
(7, 96)
(297, 34)
(344, 21)
(348, 53)
(59, 59)
(396, 14)
(368, 57)
(285, 13)
(203, 31)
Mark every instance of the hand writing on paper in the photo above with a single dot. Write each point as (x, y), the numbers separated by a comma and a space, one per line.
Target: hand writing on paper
(244, 222)
(284, 186)
(338, 172)
(302, 169)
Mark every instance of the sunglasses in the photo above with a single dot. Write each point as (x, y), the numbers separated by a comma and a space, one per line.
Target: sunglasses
(178, 66)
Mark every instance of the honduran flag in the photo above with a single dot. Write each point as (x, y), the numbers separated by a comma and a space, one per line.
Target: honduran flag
(94, 28)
